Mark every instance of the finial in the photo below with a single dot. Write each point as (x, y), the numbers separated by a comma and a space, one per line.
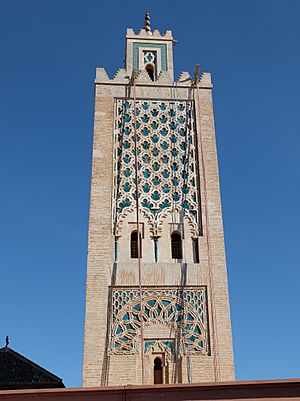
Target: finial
(6, 341)
(147, 26)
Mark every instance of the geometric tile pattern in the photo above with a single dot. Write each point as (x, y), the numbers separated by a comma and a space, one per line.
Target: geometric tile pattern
(184, 311)
(163, 49)
(167, 166)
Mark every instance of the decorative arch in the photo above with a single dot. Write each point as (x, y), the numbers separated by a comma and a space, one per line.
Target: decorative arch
(184, 311)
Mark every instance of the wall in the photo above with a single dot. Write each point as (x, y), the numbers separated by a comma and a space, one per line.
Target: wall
(105, 368)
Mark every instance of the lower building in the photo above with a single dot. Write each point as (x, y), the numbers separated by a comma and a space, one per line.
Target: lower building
(18, 372)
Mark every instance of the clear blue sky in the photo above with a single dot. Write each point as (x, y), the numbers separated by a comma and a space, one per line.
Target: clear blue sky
(49, 51)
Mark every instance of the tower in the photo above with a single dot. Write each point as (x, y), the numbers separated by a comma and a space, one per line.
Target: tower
(157, 307)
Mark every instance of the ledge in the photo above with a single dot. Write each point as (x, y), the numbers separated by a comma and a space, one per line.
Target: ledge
(239, 390)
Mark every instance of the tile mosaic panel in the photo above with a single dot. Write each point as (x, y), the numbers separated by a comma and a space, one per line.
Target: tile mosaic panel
(167, 167)
(153, 46)
(184, 311)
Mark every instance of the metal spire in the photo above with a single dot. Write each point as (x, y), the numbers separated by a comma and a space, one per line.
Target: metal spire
(6, 341)
(147, 26)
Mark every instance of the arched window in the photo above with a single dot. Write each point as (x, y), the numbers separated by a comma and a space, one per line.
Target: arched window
(176, 246)
(134, 245)
(150, 70)
(158, 372)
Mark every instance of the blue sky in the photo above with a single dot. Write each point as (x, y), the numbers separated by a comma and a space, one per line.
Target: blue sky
(49, 51)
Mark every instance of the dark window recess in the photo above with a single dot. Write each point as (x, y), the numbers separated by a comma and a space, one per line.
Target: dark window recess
(158, 373)
(150, 70)
(176, 245)
(134, 245)
(196, 250)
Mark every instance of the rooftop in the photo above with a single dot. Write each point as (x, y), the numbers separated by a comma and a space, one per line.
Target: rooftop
(18, 372)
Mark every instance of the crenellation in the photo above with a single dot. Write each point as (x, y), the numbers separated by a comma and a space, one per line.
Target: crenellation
(101, 75)
(164, 78)
(121, 76)
(143, 78)
(184, 78)
(143, 34)
(205, 79)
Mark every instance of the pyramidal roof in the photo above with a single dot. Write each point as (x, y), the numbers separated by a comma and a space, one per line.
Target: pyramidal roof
(18, 372)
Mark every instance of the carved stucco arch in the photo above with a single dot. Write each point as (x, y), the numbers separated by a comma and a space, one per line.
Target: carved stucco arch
(156, 227)
(172, 310)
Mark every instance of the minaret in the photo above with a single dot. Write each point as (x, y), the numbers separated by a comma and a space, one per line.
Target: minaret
(157, 307)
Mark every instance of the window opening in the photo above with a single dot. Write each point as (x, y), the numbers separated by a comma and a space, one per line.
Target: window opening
(134, 245)
(116, 249)
(196, 250)
(176, 245)
(158, 372)
(156, 249)
(150, 70)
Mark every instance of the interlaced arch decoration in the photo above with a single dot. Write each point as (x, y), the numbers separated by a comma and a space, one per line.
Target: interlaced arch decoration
(167, 152)
(184, 311)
